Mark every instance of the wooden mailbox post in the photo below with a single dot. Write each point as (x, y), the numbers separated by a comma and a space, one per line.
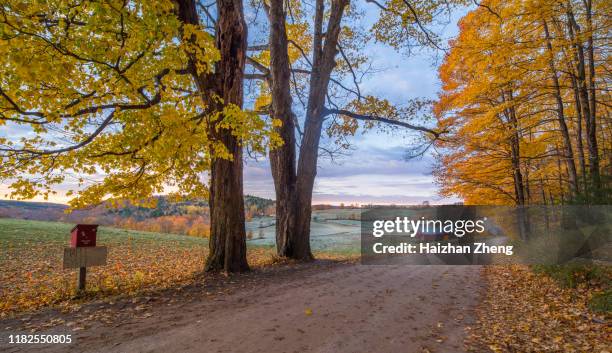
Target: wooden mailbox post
(83, 251)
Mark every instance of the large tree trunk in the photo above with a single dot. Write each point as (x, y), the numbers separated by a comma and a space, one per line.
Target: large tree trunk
(324, 54)
(519, 187)
(282, 159)
(585, 102)
(567, 141)
(227, 233)
(560, 176)
(592, 133)
(579, 134)
(572, 67)
(294, 191)
(515, 152)
(307, 164)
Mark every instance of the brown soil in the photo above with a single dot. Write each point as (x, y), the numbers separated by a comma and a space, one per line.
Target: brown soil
(318, 307)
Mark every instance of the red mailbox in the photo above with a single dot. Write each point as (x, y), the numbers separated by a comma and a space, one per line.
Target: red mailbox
(83, 235)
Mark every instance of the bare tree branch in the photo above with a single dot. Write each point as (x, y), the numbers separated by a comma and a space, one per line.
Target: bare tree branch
(363, 117)
(488, 9)
(350, 66)
(423, 29)
(86, 141)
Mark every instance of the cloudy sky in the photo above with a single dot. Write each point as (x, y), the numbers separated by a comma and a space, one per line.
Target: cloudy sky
(375, 170)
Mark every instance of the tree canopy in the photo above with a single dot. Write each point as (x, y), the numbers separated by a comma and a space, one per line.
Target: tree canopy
(105, 90)
(528, 125)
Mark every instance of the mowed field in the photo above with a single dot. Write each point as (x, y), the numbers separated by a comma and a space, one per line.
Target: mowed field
(31, 274)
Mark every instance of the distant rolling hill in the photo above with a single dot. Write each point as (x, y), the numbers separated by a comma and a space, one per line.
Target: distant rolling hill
(43, 211)
(105, 214)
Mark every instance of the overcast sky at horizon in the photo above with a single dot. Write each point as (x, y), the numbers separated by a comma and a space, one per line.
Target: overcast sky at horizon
(376, 169)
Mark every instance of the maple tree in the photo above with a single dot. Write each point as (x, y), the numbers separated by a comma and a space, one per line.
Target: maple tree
(129, 98)
(312, 50)
(525, 98)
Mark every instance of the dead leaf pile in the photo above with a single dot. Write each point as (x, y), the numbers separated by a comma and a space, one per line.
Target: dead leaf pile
(527, 312)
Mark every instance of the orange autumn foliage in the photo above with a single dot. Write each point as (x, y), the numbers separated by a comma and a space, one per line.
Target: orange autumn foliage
(511, 99)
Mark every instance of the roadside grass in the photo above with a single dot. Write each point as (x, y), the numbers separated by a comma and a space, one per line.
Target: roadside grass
(32, 277)
(593, 281)
(602, 302)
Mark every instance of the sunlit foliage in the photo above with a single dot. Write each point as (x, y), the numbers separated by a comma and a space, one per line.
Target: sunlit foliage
(97, 95)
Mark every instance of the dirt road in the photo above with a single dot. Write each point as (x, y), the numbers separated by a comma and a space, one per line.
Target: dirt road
(318, 308)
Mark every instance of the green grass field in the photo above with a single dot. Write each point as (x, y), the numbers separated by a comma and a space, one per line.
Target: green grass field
(31, 274)
(25, 233)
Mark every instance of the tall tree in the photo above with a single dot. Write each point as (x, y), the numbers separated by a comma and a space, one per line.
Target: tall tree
(523, 61)
(567, 141)
(227, 230)
(129, 97)
(283, 159)
(329, 40)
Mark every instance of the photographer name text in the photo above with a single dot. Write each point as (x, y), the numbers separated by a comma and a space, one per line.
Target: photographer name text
(442, 248)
